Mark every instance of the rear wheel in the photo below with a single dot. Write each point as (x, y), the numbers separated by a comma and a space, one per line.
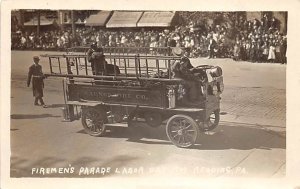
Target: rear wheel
(212, 122)
(153, 119)
(182, 131)
(93, 121)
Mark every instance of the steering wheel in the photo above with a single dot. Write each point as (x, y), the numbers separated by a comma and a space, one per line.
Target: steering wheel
(205, 66)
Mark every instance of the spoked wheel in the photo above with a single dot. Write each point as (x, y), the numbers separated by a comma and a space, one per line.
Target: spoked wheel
(93, 121)
(182, 131)
(212, 122)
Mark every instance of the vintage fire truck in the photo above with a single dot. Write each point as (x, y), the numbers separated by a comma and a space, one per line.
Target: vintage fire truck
(139, 86)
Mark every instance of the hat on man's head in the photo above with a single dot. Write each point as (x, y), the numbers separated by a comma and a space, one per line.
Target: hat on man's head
(36, 58)
(94, 45)
(177, 51)
(185, 59)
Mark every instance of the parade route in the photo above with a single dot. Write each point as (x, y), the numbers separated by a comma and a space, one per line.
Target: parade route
(249, 142)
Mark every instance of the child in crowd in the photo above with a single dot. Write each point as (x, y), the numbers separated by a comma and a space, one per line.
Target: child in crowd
(265, 52)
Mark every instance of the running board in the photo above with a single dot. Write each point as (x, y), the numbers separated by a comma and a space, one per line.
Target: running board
(116, 124)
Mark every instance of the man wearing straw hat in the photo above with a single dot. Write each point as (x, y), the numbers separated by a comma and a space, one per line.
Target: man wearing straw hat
(36, 75)
(183, 69)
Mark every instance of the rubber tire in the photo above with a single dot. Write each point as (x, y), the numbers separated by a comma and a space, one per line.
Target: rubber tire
(101, 116)
(214, 125)
(193, 124)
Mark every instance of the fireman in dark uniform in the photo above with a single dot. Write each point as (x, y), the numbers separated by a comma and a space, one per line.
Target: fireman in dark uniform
(36, 75)
(96, 57)
(99, 65)
(183, 69)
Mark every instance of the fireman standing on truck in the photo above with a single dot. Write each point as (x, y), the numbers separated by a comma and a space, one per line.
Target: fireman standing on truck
(96, 57)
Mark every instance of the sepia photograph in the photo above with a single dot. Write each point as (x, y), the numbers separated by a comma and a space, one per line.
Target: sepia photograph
(148, 93)
(137, 93)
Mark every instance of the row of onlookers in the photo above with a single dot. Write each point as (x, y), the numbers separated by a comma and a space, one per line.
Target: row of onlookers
(253, 40)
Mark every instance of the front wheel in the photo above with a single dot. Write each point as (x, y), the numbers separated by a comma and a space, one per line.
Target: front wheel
(212, 122)
(182, 131)
(93, 121)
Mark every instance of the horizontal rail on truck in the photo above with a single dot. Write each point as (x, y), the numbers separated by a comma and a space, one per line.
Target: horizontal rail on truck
(135, 66)
(88, 46)
(115, 77)
(113, 56)
(125, 50)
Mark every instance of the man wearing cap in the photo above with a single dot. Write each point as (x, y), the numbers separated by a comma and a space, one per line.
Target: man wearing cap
(36, 75)
(96, 58)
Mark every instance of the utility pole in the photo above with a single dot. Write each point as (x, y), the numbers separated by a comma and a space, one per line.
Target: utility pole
(39, 22)
(73, 22)
(60, 17)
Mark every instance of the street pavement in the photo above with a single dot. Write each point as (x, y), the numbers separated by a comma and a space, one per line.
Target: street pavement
(249, 142)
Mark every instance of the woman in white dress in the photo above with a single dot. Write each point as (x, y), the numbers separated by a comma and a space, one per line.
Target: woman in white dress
(271, 56)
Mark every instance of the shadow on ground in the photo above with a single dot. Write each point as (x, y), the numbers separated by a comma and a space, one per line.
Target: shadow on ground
(228, 135)
(31, 116)
(55, 105)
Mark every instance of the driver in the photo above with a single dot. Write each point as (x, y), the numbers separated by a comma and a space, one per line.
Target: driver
(183, 69)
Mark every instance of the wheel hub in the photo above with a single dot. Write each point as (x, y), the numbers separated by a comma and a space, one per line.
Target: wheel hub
(180, 132)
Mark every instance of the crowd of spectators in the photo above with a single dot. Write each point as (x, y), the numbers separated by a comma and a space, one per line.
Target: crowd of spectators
(260, 41)
(256, 41)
